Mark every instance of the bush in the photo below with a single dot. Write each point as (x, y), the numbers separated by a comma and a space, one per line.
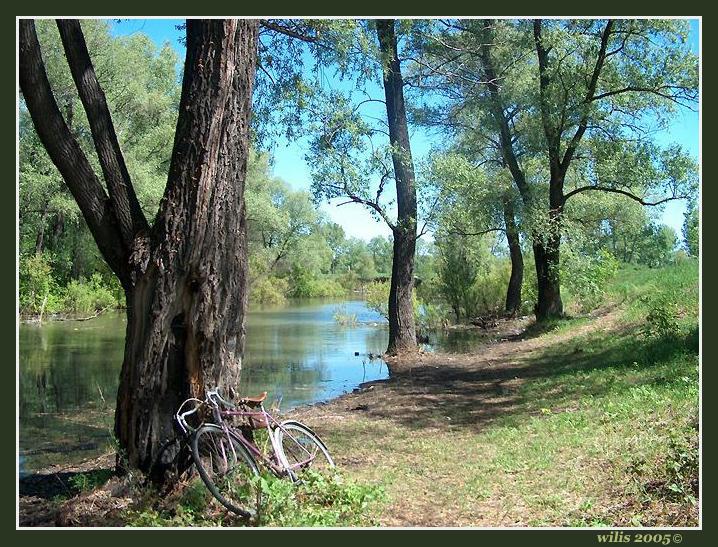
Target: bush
(431, 316)
(490, 289)
(82, 296)
(376, 295)
(269, 290)
(38, 289)
(662, 317)
(586, 277)
(305, 283)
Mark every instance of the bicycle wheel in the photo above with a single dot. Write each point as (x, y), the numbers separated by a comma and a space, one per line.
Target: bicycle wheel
(226, 467)
(299, 449)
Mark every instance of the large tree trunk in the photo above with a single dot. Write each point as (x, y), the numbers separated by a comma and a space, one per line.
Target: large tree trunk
(186, 311)
(513, 292)
(402, 330)
(185, 278)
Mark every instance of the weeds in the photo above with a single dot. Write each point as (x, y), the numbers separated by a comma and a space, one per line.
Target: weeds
(318, 500)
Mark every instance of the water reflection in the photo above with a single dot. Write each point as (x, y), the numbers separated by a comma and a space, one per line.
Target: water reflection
(297, 352)
(69, 371)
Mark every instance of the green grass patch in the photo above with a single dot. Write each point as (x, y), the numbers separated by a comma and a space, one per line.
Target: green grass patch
(602, 432)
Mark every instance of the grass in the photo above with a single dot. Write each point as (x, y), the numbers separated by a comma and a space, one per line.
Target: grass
(319, 500)
(590, 421)
(601, 431)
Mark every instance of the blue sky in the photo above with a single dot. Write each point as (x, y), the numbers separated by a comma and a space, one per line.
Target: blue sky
(289, 163)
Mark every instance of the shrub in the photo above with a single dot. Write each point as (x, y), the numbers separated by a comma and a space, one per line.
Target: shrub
(38, 288)
(376, 295)
(431, 316)
(83, 296)
(586, 277)
(305, 283)
(269, 290)
(662, 317)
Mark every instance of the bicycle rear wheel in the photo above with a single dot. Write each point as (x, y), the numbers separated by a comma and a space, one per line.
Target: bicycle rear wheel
(227, 469)
(301, 449)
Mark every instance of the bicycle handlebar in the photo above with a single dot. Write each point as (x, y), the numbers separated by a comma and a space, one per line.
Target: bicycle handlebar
(213, 394)
(181, 417)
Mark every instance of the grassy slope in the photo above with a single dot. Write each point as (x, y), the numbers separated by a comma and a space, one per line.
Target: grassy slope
(600, 429)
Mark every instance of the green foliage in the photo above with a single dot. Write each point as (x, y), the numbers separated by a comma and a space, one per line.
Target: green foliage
(472, 281)
(38, 289)
(269, 290)
(319, 500)
(305, 283)
(376, 296)
(84, 482)
(662, 317)
(381, 250)
(681, 465)
(690, 229)
(586, 277)
(86, 296)
(431, 315)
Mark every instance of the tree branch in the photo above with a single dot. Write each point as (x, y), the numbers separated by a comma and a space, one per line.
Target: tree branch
(127, 207)
(598, 67)
(66, 154)
(266, 23)
(626, 193)
(458, 232)
(655, 90)
(552, 139)
(506, 141)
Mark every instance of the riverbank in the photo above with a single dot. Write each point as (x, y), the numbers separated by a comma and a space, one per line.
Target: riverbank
(585, 422)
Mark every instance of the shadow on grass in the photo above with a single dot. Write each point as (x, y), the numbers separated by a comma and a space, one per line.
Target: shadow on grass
(477, 395)
(65, 484)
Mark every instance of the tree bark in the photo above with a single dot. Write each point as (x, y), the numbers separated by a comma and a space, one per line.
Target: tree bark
(402, 329)
(185, 278)
(547, 256)
(186, 312)
(513, 292)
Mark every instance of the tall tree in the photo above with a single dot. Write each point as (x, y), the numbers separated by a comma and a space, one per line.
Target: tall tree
(402, 330)
(348, 155)
(184, 276)
(571, 106)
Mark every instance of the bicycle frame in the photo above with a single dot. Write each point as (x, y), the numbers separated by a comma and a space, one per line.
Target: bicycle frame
(271, 425)
(275, 463)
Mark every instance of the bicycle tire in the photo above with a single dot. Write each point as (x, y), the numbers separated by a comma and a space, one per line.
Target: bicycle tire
(226, 467)
(301, 443)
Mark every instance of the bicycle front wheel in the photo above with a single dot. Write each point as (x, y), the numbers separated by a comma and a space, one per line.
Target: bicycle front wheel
(227, 469)
(299, 449)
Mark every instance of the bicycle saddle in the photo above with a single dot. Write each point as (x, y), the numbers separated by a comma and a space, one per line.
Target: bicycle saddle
(254, 401)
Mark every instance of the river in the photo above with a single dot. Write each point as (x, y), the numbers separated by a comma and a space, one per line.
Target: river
(297, 352)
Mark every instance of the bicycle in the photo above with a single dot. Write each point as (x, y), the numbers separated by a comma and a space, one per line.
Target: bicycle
(227, 457)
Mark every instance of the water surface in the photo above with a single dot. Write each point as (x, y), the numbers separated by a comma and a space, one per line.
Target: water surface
(69, 370)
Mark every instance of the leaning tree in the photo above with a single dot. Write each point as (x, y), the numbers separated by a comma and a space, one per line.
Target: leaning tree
(184, 274)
